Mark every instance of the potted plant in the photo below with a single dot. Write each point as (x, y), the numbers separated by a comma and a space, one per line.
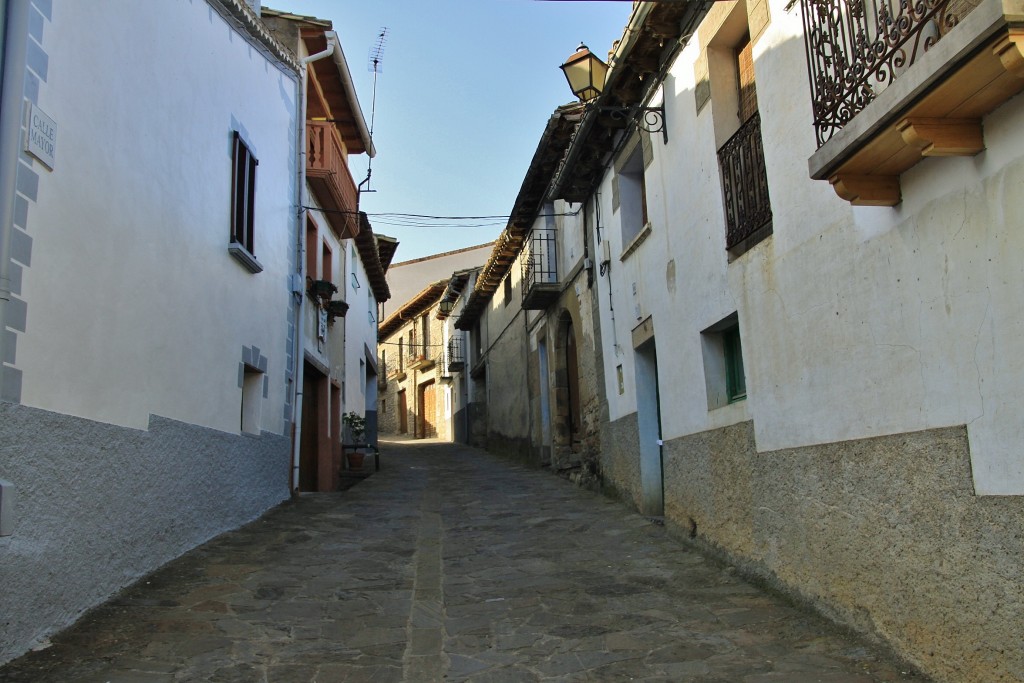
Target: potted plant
(321, 289)
(356, 425)
(336, 308)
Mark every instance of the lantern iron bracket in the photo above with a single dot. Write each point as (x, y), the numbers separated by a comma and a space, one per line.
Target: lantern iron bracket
(651, 119)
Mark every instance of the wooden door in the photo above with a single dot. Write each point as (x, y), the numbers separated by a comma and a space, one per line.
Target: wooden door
(403, 413)
(428, 411)
(572, 371)
(310, 439)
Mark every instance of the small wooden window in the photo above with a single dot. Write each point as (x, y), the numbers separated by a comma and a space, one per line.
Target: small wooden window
(311, 240)
(747, 87)
(326, 265)
(243, 195)
(735, 378)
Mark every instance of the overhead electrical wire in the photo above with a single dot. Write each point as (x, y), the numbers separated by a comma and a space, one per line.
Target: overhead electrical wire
(419, 220)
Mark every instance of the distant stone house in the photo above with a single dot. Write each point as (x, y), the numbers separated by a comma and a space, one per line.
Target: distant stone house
(530, 316)
(407, 278)
(462, 363)
(416, 394)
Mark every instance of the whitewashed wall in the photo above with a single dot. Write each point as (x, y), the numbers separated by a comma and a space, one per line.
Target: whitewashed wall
(135, 305)
(328, 353)
(855, 322)
(125, 451)
(361, 333)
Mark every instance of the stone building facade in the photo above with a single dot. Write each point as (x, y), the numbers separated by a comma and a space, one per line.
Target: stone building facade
(530, 317)
(415, 396)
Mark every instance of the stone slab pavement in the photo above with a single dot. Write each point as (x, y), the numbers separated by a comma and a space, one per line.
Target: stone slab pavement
(450, 564)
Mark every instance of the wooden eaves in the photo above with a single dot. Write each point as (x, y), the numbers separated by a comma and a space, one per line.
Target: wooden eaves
(453, 291)
(656, 33)
(367, 245)
(531, 198)
(241, 14)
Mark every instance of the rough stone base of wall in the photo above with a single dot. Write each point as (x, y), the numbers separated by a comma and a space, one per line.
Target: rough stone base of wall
(476, 414)
(620, 460)
(459, 426)
(98, 506)
(519, 449)
(884, 535)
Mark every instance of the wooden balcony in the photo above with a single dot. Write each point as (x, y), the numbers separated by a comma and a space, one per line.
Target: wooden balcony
(923, 92)
(328, 176)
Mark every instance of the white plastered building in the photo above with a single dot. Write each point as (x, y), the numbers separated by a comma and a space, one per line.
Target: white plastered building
(817, 376)
(149, 191)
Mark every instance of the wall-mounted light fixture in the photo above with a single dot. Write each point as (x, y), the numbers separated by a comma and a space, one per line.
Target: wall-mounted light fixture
(586, 75)
(446, 306)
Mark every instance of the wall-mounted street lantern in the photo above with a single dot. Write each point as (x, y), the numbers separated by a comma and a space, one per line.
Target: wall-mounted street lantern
(586, 75)
(446, 306)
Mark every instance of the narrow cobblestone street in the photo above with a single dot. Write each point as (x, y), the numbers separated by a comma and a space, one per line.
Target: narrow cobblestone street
(450, 564)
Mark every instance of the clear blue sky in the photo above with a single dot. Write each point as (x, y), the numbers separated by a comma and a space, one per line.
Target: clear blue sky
(465, 91)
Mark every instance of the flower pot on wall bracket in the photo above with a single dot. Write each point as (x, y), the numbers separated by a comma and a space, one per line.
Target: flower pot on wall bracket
(322, 289)
(336, 309)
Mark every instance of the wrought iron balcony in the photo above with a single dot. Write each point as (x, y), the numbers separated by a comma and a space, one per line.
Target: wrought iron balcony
(540, 270)
(892, 82)
(443, 373)
(855, 49)
(748, 211)
(392, 369)
(456, 358)
(418, 360)
(329, 178)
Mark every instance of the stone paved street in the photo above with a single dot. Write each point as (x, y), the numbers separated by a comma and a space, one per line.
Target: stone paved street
(450, 564)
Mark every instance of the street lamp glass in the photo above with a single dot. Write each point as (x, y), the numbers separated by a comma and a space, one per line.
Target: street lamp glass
(585, 73)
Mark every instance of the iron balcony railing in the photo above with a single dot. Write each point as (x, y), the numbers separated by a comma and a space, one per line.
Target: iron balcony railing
(744, 183)
(456, 358)
(855, 48)
(540, 268)
(389, 367)
(443, 372)
(539, 263)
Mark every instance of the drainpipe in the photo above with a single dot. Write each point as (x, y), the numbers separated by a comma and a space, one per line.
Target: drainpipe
(12, 98)
(300, 230)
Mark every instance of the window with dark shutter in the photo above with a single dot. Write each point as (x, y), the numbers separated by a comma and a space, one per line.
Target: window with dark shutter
(748, 89)
(243, 196)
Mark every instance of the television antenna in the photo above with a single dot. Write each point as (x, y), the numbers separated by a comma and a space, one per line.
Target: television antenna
(376, 65)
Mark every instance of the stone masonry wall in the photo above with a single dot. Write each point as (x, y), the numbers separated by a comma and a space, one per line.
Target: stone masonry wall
(883, 534)
(508, 396)
(620, 460)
